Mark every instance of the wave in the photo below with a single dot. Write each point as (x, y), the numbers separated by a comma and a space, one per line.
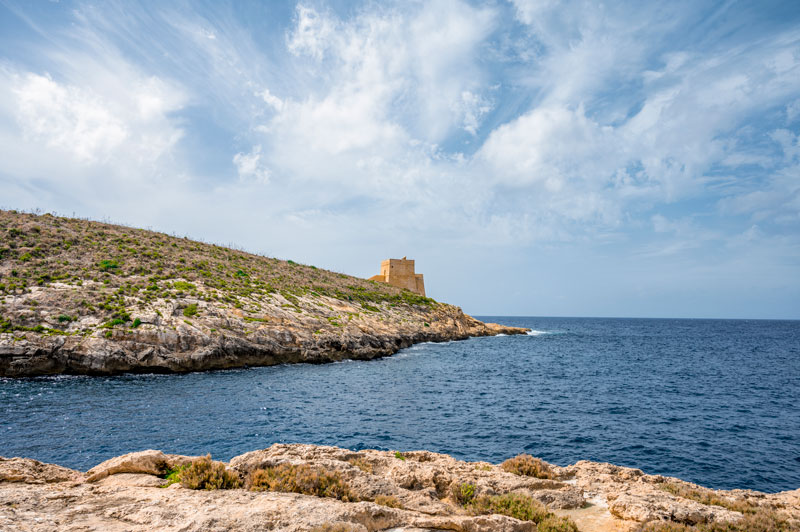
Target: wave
(534, 332)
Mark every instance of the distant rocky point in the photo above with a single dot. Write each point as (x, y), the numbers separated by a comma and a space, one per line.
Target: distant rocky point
(313, 488)
(86, 297)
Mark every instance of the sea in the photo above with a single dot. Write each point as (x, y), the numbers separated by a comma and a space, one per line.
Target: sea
(716, 402)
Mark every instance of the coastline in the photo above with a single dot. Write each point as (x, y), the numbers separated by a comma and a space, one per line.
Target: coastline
(383, 490)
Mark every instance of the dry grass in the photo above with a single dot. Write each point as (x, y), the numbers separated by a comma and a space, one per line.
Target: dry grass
(388, 500)
(205, 474)
(521, 507)
(761, 521)
(361, 463)
(302, 478)
(336, 527)
(528, 466)
(706, 496)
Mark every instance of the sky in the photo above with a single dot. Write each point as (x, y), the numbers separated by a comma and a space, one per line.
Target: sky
(535, 157)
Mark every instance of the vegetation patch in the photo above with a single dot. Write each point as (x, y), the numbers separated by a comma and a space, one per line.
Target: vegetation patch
(708, 497)
(761, 521)
(190, 310)
(521, 507)
(302, 478)
(360, 463)
(463, 493)
(205, 474)
(389, 501)
(528, 466)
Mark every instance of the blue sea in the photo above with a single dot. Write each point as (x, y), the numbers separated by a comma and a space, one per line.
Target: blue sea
(715, 402)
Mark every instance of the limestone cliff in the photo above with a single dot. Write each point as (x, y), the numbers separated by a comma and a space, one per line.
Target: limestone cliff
(90, 298)
(374, 490)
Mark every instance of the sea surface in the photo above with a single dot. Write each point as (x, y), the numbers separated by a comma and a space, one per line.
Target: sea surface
(715, 402)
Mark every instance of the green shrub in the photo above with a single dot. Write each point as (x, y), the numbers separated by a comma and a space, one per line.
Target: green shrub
(302, 478)
(528, 466)
(205, 474)
(514, 505)
(463, 493)
(183, 285)
(108, 265)
(190, 311)
(63, 318)
(25, 257)
(173, 476)
(554, 523)
(399, 455)
(136, 323)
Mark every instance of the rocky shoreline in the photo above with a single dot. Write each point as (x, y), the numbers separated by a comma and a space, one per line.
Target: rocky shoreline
(91, 298)
(312, 329)
(374, 490)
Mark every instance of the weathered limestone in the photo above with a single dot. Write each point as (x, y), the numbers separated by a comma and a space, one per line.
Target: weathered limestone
(400, 273)
(123, 493)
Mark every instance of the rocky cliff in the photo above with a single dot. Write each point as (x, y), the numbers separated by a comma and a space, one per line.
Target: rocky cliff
(311, 488)
(84, 297)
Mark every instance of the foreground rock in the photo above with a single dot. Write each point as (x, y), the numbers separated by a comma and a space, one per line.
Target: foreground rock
(408, 491)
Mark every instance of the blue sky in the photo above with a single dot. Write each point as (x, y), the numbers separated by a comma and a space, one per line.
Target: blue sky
(534, 157)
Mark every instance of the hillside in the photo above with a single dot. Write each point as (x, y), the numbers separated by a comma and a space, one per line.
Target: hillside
(78, 296)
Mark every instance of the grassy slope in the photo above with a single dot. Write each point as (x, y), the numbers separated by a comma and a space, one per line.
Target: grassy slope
(120, 268)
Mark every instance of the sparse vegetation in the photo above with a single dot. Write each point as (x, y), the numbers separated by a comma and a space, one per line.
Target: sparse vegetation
(528, 466)
(706, 496)
(760, 521)
(388, 500)
(302, 478)
(205, 474)
(116, 270)
(399, 455)
(360, 463)
(520, 507)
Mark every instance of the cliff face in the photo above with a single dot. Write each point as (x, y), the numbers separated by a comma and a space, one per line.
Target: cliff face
(370, 491)
(90, 298)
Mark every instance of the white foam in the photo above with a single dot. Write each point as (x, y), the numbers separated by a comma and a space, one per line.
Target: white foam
(534, 332)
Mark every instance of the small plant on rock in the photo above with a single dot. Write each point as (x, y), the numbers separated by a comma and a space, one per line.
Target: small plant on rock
(190, 310)
(528, 466)
(388, 500)
(205, 474)
(463, 493)
(302, 478)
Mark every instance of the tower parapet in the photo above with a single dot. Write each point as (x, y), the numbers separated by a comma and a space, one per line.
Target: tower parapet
(400, 273)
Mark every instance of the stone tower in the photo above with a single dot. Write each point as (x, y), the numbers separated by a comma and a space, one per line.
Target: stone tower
(400, 273)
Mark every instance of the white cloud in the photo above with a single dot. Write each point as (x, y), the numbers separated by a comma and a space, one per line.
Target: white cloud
(250, 167)
(312, 33)
(272, 100)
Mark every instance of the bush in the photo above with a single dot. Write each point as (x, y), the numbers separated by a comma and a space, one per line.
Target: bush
(528, 466)
(64, 318)
(399, 455)
(554, 523)
(190, 311)
(513, 505)
(302, 478)
(388, 500)
(463, 493)
(205, 474)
